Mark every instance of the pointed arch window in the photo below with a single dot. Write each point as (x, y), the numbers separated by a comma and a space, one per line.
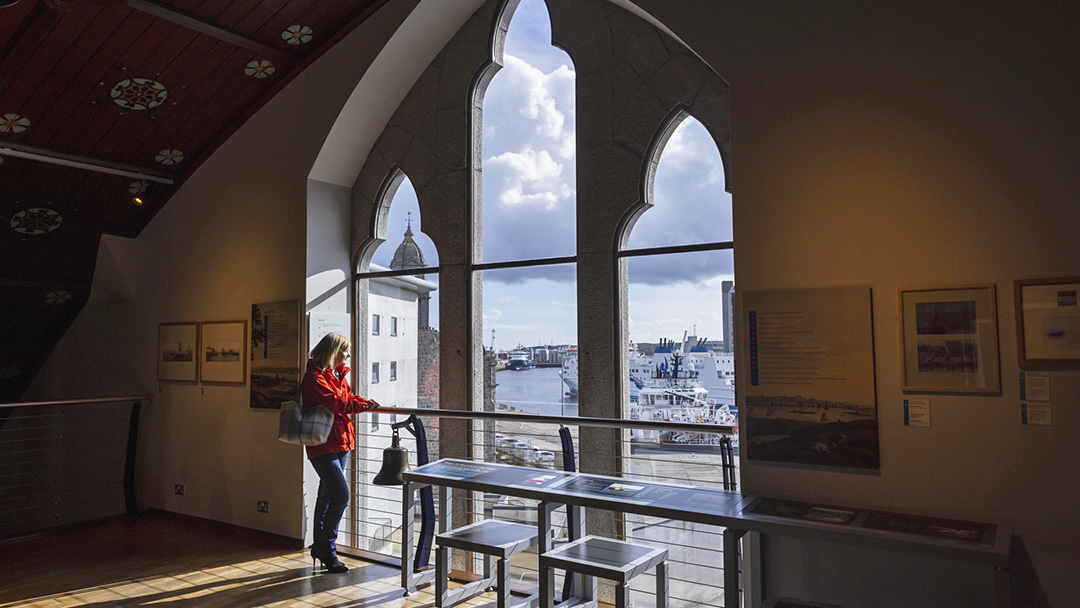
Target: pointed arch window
(679, 264)
(528, 203)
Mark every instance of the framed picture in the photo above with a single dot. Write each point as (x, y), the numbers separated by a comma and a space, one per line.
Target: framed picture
(950, 340)
(1048, 322)
(807, 382)
(177, 345)
(223, 359)
(275, 353)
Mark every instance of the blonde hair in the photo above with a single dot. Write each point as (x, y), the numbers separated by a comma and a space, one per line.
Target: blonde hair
(322, 356)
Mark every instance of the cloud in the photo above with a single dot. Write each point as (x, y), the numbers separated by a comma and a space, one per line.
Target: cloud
(528, 169)
(530, 177)
(690, 204)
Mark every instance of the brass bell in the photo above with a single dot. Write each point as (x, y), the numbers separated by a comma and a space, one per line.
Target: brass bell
(395, 461)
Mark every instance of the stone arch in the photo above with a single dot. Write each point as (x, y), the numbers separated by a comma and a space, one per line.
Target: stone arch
(380, 214)
(633, 81)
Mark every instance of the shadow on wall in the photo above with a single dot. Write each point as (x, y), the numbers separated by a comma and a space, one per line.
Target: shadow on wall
(1027, 589)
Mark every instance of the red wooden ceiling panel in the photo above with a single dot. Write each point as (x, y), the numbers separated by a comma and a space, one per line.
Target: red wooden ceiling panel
(196, 110)
(312, 14)
(298, 12)
(230, 115)
(136, 126)
(245, 16)
(71, 81)
(86, 101)
(12, 18)
(172, 116)
(183, 77)
(115, 116)
(32, 58)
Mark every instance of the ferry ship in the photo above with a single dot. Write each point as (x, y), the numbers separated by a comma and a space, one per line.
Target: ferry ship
(671, 386)
(715, 371)
(520, 360)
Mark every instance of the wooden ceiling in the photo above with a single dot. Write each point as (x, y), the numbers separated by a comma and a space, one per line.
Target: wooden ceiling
(106, 101)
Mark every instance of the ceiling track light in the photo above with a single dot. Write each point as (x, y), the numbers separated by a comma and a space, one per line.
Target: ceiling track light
(78, 163)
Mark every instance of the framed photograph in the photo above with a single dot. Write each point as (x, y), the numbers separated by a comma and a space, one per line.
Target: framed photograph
(1048, 322)
(224, 359)
(950, 340)
(178, 344)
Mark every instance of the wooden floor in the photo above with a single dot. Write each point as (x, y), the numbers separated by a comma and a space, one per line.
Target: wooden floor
(154, 560)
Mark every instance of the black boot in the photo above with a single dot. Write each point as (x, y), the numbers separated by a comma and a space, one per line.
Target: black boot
(328, 558)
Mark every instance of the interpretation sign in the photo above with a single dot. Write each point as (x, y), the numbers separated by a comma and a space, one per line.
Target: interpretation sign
(810, 396)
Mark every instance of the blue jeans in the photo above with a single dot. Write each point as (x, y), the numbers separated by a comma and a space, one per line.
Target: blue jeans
(332, 499)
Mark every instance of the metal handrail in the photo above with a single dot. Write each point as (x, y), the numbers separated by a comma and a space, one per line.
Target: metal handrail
(78, 401)
(576, 420)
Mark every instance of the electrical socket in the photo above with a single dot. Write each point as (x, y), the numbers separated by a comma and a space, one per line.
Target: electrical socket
(262, 506)
(178, 489)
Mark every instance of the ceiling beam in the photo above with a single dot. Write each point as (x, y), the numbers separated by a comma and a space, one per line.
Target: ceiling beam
(45, 155)
(210, 29)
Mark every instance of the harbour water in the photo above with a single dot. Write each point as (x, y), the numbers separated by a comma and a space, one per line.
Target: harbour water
(539, 390)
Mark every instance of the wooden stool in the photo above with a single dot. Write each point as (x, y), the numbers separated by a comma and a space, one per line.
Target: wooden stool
(610, 559)
(492, 538)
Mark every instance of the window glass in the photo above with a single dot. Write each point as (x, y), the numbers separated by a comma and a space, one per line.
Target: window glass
(530, 325)
(529, 145)
(679, 304)
(375, 323)
(690, 204)
(409, 301)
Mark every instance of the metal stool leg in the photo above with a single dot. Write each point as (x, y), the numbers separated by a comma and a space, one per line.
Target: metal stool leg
(442, 558)
(662, 584)
(504, 583)
(546, 579)
(622, 595)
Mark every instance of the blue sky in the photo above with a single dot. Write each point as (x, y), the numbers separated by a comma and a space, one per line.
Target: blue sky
(529, 199)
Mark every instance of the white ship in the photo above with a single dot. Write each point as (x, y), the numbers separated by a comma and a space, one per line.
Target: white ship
(673, 393)
(520, 360)
(698, 387)
(714, 370)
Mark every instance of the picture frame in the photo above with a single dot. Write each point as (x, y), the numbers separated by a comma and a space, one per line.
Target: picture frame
(223, 352)
(949, 340)
(275, 353)
(1048, 322)
(808, 377)
(178, 344)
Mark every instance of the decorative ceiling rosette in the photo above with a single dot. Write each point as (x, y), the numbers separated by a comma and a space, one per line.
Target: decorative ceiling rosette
(13, 123)
(138, 187)
(297, 34)
(169, 157)
(36, 220)
(259, 68)
(138, 93)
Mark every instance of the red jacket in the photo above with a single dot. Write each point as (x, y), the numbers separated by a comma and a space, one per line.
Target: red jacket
(330, 389)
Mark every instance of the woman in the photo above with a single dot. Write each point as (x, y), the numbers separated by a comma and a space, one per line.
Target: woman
(326, 383)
